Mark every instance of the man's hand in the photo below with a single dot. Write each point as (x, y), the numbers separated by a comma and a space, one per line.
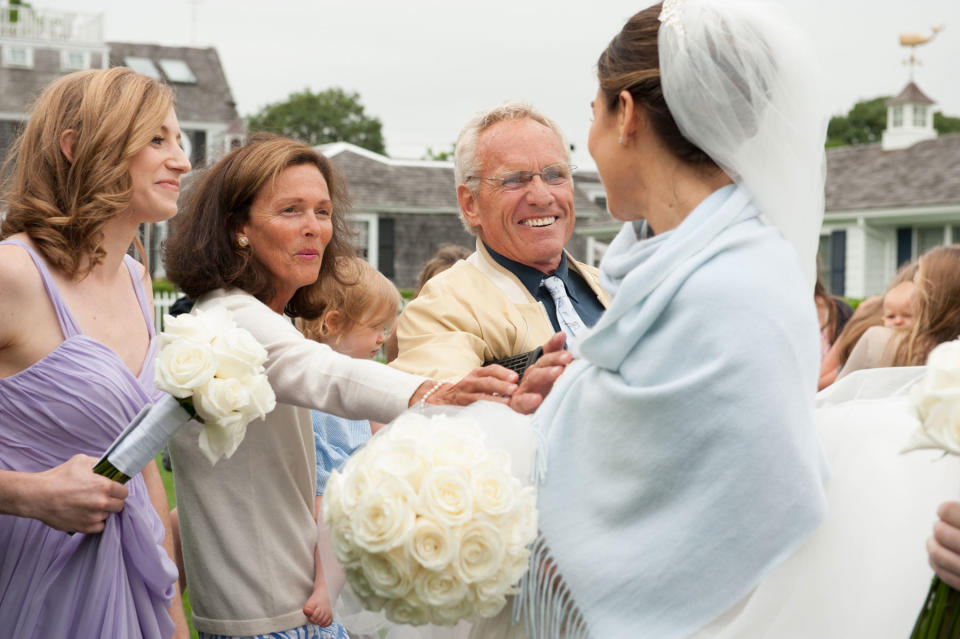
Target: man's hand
(538, 380)
(71, 497)
(944, 547)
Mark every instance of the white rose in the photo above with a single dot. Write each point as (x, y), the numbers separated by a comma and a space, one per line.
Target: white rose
(403, 459)
(238, 354)
(361, 588)
(389, 574)
(450, 615)
(407, 610)
(481, 552)
(262, 398)
(185, 327)
(222, 439)
(332, 508)
(520, 528)
(222, 401)
(445, 494)
(489, 606)
(384, 517)
(937, 401)
(184, 366)
(494, 491)
(452, 448)
(943, 366)
(443, 588)
(216, 321)
(341, 541)
(431, 543)
(356, 484)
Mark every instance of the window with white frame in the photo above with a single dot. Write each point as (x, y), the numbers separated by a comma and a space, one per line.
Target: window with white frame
(17, 56)
(142, 65)
(929, 237)
(177, 71)
(74, 60)
(919, 115)
(368, 238)
(898, 115)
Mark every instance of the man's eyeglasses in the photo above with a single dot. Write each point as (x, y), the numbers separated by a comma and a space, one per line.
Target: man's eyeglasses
(553, 175)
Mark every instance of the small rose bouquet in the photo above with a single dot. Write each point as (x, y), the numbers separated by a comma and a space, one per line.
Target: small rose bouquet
(429, 521)
(936, 400)
(213, 372)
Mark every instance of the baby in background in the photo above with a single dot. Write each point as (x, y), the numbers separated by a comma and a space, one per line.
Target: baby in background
(358, 315)
(898, 305)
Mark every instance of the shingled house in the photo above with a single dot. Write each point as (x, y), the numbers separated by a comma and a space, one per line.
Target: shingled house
(38, 46)
(891, 201)
(404, 209)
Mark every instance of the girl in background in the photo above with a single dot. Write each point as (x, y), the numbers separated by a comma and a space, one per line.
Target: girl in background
(359, 313)
(936, 317)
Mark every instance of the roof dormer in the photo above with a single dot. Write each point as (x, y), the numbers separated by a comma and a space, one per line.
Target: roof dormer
(909, 119)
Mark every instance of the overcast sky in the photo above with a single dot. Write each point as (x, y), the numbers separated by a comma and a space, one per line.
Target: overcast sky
(425, 66)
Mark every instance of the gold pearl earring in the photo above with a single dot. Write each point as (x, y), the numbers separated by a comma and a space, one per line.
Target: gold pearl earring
(242, 241)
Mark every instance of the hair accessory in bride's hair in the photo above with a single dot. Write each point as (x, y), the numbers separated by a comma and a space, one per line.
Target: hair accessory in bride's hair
(670, 14)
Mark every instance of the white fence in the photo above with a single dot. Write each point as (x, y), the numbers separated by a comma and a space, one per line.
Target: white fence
(162, 302)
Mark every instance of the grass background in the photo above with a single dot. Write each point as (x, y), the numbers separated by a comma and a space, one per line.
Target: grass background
(172, 500)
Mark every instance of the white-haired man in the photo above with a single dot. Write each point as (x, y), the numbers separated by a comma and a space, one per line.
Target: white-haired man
(515, 192)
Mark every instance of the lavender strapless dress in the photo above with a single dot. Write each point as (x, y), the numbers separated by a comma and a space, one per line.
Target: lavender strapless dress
(118, 583)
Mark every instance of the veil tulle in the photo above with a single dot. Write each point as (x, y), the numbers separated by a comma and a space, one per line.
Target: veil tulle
(742, 85)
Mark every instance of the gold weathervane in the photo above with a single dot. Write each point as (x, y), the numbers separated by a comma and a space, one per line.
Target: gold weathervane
(913, 40)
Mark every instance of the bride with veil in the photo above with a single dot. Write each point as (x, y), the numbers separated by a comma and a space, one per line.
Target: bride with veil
(689, 483)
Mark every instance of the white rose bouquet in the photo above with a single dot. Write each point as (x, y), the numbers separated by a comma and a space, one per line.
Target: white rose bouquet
(936, 399)
(431, 521)
(213, 372)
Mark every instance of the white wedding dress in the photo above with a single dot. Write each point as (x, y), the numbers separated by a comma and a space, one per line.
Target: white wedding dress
(863, 573)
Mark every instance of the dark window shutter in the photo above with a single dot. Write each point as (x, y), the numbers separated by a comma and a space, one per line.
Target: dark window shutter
(838, 262)
(904, 245)
(198, 154)
(385, 246)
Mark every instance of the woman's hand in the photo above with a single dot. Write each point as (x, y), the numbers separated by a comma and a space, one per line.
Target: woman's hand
(71, 497)
(493, 383)
(944, 547)
(539, 378)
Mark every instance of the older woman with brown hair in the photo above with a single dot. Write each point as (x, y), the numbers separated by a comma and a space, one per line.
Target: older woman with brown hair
(264, 224)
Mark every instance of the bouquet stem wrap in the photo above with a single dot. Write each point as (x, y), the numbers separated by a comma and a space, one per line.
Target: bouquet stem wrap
(144, 438)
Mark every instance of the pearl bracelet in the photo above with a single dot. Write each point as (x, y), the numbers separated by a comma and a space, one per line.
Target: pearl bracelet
(436, 387)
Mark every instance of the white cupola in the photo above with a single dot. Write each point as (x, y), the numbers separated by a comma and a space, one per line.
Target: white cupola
(909, 119)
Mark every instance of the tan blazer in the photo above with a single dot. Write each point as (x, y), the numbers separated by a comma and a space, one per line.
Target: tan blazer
(473, 312)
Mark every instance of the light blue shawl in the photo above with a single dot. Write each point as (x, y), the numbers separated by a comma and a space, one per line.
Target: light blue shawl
(681, 459)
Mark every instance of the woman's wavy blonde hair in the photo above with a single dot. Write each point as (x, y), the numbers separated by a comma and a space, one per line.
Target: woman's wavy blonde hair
(63, 205)
(936, 306)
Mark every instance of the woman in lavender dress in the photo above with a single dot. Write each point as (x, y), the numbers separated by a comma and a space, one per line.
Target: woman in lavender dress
(99, 156)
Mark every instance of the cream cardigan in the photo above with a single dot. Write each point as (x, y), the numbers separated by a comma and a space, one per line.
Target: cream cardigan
(247, 525)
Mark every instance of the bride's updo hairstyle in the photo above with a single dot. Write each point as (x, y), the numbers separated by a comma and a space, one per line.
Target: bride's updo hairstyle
(63, 205)
(631, 62)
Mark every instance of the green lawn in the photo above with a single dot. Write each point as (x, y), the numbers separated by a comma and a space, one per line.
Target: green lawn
(172, 500)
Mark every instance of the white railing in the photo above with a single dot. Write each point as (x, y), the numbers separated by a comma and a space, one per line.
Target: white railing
(42, 24)
(162, 301)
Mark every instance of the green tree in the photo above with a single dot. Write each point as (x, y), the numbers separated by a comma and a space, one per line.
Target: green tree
(440, 155)
(863, 124)
(333, 115)
(945, 123)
